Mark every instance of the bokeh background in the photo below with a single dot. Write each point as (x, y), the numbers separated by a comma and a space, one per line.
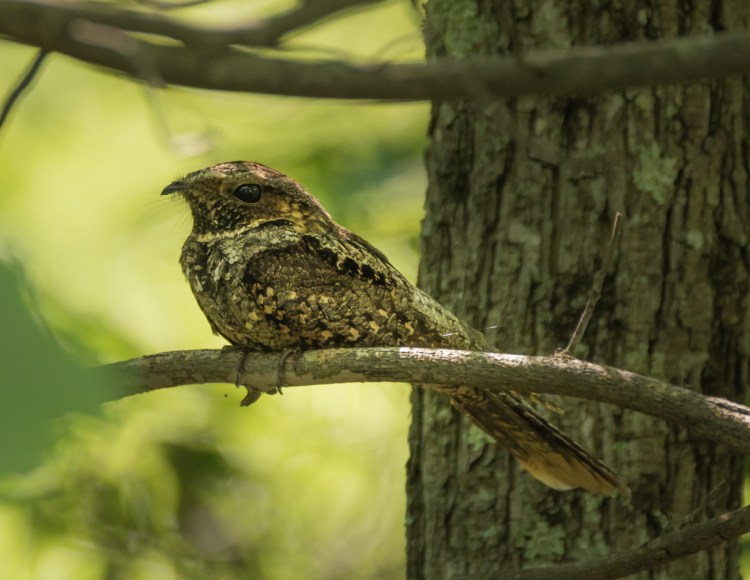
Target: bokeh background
(185, 483)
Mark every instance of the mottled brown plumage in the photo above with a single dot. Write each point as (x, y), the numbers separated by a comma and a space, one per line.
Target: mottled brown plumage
(272, 271)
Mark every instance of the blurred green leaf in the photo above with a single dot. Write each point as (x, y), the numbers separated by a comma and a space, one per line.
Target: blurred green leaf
(40, 382)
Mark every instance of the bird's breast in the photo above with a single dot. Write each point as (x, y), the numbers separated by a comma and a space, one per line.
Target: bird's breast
(216, 269)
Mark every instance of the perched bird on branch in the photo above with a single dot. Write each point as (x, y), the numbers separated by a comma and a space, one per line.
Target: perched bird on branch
(272, 271)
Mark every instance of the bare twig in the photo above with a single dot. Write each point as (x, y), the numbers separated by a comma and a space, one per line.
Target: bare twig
(701, 508)
(306, 14)
(206, 63)
(666, 548)
(167, 5)
(596, 291)
(707, 417)
(23, 83)
(195, 143)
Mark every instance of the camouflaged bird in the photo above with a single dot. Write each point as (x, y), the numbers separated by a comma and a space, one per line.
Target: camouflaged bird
(272, 271)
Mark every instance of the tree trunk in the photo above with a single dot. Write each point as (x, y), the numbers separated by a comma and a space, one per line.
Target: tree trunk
(520, 205)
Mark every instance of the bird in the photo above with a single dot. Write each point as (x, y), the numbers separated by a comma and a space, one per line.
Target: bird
(272, 271)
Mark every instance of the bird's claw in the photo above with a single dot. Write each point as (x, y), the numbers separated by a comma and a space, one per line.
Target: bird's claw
(253, 393)
(251, 396)
(280, 367)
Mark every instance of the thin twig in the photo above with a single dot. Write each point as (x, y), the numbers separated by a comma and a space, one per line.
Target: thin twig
(701, 508)
(710, 418)
(23, 83)
(595, 293)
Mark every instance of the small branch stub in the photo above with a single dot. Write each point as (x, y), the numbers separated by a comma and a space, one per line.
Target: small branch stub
(595, 292)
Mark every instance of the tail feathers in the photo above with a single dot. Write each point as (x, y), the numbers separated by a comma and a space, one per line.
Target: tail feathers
(546, 452)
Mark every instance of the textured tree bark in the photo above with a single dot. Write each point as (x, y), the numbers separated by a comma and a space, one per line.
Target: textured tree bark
(520, 204)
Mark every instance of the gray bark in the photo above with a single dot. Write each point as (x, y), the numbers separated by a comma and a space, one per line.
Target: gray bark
(521, 200)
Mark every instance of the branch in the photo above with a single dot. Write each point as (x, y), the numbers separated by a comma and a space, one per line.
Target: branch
(706, 417)
(201, 64)
(265, 33)
(666, 548)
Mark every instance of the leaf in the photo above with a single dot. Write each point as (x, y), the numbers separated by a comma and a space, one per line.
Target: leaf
(39, 381)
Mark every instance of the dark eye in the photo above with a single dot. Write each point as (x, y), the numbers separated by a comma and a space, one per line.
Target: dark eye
(249, 193)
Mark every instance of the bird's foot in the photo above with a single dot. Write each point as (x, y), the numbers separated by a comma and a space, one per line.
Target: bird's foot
(253, 393)
(295, 352)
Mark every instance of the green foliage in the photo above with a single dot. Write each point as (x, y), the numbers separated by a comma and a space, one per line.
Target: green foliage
(40, 382)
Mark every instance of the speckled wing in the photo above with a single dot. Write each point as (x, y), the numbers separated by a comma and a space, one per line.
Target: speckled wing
(346, 293)
(320, 292)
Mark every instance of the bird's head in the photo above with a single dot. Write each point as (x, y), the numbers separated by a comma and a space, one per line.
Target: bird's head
(246, 195)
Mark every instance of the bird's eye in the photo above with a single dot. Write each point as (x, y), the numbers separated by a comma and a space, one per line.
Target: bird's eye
(248, 192)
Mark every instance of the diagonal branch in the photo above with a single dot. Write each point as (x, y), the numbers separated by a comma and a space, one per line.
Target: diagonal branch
(207, 62)
(707, 417)
(672, 546)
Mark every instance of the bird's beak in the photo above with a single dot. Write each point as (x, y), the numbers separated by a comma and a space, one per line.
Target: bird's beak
(174, 187)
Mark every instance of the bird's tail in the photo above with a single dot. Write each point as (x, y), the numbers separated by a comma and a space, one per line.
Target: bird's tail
(545, 451)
